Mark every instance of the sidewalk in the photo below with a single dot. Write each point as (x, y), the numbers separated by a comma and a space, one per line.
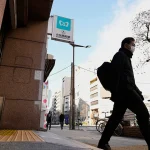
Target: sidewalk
(92, 138)
(29, 140)
(130, 148)
(37, 146)
(56, 139)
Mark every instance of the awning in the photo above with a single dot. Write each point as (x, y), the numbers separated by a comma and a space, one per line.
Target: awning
(49, 65)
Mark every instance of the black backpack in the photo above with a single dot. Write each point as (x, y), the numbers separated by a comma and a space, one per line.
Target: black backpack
(104, 73)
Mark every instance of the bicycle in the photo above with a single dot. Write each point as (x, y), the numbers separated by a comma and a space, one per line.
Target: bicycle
(101, 123)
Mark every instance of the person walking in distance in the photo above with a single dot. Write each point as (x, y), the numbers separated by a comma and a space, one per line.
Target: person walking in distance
(61, 119)
(125, 94)
(49, 119)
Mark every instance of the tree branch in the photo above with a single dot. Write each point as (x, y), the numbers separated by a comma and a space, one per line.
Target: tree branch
(147, 26)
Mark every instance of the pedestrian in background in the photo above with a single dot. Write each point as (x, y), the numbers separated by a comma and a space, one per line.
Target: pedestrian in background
(49, 120)
(61, 119)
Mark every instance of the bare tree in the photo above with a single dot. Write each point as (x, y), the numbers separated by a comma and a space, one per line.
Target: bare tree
(141, 28)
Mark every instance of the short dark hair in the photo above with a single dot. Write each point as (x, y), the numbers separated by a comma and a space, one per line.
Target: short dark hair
(127, 40)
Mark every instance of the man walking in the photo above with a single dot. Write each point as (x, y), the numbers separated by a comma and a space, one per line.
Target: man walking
(125, 94)
(61, 119)
(49, 119)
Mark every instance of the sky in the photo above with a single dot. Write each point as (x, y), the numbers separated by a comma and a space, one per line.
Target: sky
(99, 23)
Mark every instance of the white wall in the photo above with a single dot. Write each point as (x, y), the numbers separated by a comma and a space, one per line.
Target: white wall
(66, 84)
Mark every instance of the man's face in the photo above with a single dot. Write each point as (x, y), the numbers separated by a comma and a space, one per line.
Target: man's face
(131, 46)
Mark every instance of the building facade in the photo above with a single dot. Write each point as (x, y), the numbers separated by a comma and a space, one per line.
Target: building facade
(45, 107)
(24, 65)
(94, 100)
(100, 103)
(56, 107)
(67, 105)
(82, 95)
(66, 89)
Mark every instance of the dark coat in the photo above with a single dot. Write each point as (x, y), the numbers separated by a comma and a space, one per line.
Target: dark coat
(123, 76)
(49, 117)
(61, 118)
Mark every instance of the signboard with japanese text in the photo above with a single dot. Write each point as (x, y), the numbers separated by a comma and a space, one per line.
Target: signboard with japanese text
(62, 29)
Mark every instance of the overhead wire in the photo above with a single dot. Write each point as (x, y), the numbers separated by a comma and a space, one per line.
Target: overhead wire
(60, 70)
(95, 73)
(85, 70)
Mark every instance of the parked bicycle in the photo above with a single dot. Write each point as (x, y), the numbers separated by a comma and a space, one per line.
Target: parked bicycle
(101, 123)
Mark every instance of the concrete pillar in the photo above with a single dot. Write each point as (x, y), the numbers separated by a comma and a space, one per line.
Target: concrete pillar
(21, 76)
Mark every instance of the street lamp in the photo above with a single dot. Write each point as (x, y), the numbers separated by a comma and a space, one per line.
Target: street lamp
(72, 104)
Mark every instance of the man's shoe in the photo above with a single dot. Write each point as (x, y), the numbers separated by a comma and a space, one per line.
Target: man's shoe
(105, 147)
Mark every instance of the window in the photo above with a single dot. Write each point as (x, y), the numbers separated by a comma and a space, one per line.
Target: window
(94, 95)
(94, 102)
(94, 88)
(94, 80)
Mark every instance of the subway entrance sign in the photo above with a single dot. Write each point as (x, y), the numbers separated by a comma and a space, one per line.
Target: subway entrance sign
(62, 29)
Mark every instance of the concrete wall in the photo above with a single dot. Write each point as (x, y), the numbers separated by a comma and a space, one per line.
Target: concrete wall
(23, 55)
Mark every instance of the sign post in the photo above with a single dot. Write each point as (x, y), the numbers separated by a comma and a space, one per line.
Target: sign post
(62, 29)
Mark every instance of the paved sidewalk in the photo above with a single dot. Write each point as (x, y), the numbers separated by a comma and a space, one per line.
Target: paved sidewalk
(50, 137)
(57, 139)
(36, 146)
(138, 147)
(92, 138)
(28, 140)
(131, 148)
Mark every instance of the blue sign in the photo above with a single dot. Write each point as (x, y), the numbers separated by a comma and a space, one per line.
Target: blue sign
(66, 119)
(63, 23)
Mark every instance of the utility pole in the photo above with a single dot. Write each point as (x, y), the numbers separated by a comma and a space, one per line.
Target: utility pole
(71, 99)
(73, 91)
(72, 95)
